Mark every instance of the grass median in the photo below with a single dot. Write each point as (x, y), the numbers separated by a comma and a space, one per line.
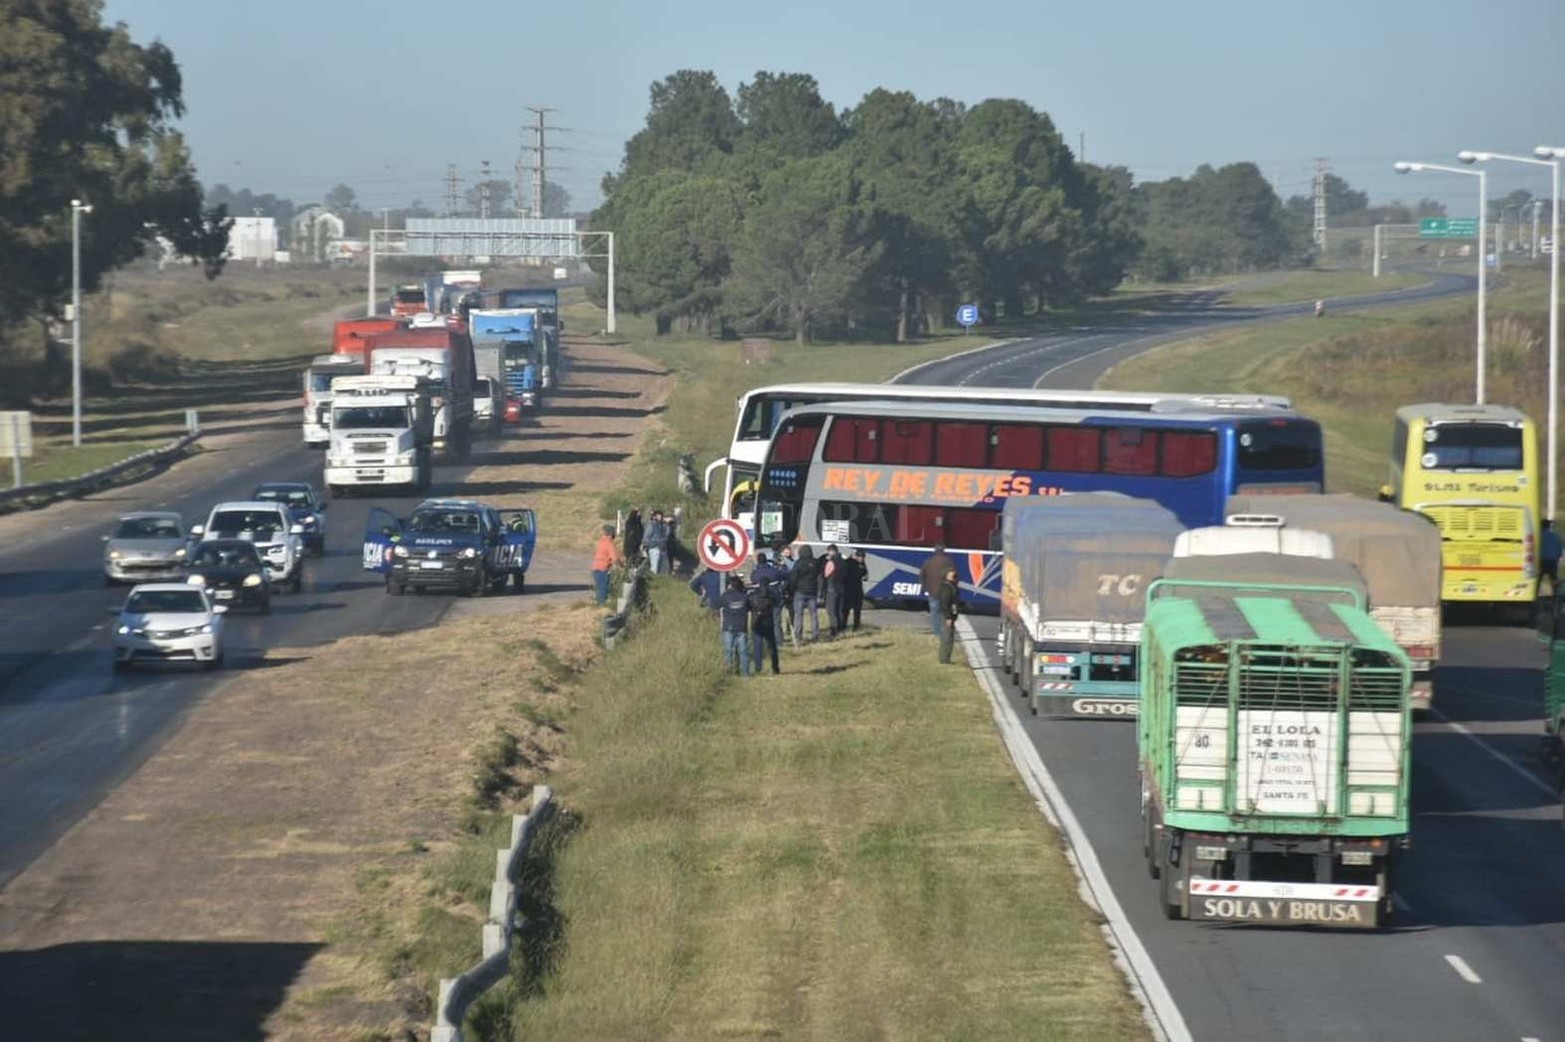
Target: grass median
(843, 852)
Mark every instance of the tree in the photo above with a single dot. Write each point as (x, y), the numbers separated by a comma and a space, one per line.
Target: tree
(88, 114)
(556, 200)
(783, 114)
(690, 119)
(674, 244)
(342, 200)
(803, 254)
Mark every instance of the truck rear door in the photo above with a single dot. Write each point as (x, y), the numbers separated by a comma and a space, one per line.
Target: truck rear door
(521, 535)
(381, 532)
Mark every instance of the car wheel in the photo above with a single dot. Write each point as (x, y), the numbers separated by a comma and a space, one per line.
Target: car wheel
(215, 663)
(121, 665)
(479, 588)
(298, 577)
(395, 589)
(518, 582)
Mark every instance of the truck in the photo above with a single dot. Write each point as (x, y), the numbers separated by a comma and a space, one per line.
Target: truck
(457, 544)
(348, 335)
(382, 432)
(317, 394)
(1397, 551)
(443, 355)
(546, 301)
(1073, 590)
(505, 350)
(409, 300)
(1273, 744)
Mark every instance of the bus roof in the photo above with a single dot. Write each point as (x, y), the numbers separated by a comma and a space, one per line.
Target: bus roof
(1262, 617)
(1018, 412)
(884, 392)
(1438, 412)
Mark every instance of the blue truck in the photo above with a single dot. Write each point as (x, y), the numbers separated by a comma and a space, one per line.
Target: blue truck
(507, 349)
(455, 544)
(546, 302)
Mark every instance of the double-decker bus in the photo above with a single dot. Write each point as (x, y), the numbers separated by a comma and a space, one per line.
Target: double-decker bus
(895, 478)
(1474, 471)
(760, 410)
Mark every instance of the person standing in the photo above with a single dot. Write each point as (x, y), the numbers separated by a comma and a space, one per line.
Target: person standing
(655, 541)
(735, 612)
(947, 600)
(832, 575)
(855, 571)
(775, 579)
(785, 565)
(931, 575)
(763, 618)
(605, 557)
(803, 584)
(633, 532)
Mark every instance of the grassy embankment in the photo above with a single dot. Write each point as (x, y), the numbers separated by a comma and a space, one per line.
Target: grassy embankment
(158, 343)
(1352, 371)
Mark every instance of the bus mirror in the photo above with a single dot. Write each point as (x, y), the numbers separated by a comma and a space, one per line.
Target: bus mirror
(1387, 494)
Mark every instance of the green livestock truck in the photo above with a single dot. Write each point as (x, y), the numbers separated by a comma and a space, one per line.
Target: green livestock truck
(1273, 737)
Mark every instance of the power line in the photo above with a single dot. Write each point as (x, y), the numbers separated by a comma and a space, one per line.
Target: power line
(539, 149)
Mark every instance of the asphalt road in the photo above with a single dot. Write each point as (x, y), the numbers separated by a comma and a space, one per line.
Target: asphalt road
(1479, 948)
(70, 728)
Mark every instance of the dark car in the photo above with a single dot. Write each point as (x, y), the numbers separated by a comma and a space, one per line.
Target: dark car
(232, 572)
(304, 505)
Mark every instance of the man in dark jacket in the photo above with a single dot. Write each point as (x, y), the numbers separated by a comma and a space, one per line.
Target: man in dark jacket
(633, 532)
(735, 611)
(855, 571)
(931, 575)
(763, 619)
(708, 588)
(655, 541)
(803, 584)
(775, 580)
(946, 600)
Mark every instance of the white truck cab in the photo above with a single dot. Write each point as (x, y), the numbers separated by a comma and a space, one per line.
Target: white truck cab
(317, 394)
(380, 432)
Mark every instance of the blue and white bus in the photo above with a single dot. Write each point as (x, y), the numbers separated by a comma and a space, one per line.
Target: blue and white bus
(895, 478)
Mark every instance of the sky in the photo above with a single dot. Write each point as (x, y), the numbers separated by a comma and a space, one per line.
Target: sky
(290, 97)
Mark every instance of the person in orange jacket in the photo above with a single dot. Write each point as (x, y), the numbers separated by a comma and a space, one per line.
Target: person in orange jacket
(605, 557)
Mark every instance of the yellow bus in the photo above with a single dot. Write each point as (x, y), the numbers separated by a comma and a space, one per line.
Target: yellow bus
(1474, 471)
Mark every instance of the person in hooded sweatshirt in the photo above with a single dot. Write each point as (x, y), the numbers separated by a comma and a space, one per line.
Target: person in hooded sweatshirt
(803, 584)
(633, 531)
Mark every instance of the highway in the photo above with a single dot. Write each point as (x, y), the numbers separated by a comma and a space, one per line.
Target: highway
(70, 727)
(1479, 947)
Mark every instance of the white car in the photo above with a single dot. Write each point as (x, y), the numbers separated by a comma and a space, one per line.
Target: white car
(269, 525)
(169, 622)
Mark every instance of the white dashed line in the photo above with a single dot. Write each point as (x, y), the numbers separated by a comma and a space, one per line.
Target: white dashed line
(1532, 779)
(1463, 970)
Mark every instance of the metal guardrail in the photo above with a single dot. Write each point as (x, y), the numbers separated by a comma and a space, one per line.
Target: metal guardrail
(458, 994)
(633, 595)
(29, 496)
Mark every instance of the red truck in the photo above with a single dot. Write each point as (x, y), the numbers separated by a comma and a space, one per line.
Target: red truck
(348, 336)
(442, 355)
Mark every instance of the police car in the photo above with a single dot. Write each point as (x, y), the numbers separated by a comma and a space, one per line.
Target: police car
(457, 544)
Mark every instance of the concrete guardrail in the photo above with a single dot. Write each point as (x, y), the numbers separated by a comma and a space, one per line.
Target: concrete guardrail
(458, 994)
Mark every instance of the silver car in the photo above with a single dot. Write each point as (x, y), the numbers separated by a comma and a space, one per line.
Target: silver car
(144, 546)
(169, 622)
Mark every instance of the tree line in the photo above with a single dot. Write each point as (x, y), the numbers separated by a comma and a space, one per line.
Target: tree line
(770, 210)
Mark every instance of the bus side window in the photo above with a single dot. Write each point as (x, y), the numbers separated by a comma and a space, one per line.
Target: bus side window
(1074, 449)
(1188, 454)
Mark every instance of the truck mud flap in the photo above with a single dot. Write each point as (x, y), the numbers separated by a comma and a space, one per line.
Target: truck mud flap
(1284, 904)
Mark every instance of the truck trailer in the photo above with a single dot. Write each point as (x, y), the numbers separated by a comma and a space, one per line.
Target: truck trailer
(1273, 741)
(1397, 552)
(1073, 590)
(442, 355)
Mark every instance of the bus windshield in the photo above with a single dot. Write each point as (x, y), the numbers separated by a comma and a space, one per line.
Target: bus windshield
(1274, 445)
(1472, 446)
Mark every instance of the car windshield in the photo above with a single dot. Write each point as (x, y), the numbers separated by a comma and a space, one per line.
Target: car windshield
(184, 602)
(148, 528)
(370, 417)
(294, 497)
(262, 523)
(228, 555)
(431, 521)
(410, 296)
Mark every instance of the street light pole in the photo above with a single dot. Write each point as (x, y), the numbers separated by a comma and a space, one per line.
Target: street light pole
(1483, 239)
(77, 209)
(1549, 157)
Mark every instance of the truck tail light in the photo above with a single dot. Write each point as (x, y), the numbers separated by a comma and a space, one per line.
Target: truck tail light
(1420, 652)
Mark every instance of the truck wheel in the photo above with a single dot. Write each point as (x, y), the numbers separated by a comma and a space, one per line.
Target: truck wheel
(1167, 891)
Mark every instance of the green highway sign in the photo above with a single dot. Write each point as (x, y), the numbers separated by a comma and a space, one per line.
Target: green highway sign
(1448, 227)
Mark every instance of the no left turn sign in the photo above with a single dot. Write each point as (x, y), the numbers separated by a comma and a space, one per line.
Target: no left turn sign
(723, 545)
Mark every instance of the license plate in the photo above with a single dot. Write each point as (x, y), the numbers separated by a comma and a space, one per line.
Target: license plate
(429, 564)
(224, 595)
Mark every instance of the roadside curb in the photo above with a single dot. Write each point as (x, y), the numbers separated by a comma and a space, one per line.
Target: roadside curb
(1161, 1012)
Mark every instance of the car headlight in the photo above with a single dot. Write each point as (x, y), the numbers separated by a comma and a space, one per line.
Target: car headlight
(180, 552)
(308, 520)
(399, 551)
(253, 580)
(195, 580)
(201, 629)
(470, 553)
(123, 630)
(115, 555)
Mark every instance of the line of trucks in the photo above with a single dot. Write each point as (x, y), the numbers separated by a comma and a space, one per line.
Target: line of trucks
(399, 392)
(1272, 665)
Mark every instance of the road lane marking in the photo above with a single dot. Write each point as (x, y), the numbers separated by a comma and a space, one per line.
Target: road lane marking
(910, 370)
(1463, 970)
(1112, 347)
(1532, 779)
(1145, 980)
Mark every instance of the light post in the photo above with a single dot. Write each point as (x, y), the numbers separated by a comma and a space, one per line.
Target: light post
(1483, 234)
(1549, 157)
(77, 209)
